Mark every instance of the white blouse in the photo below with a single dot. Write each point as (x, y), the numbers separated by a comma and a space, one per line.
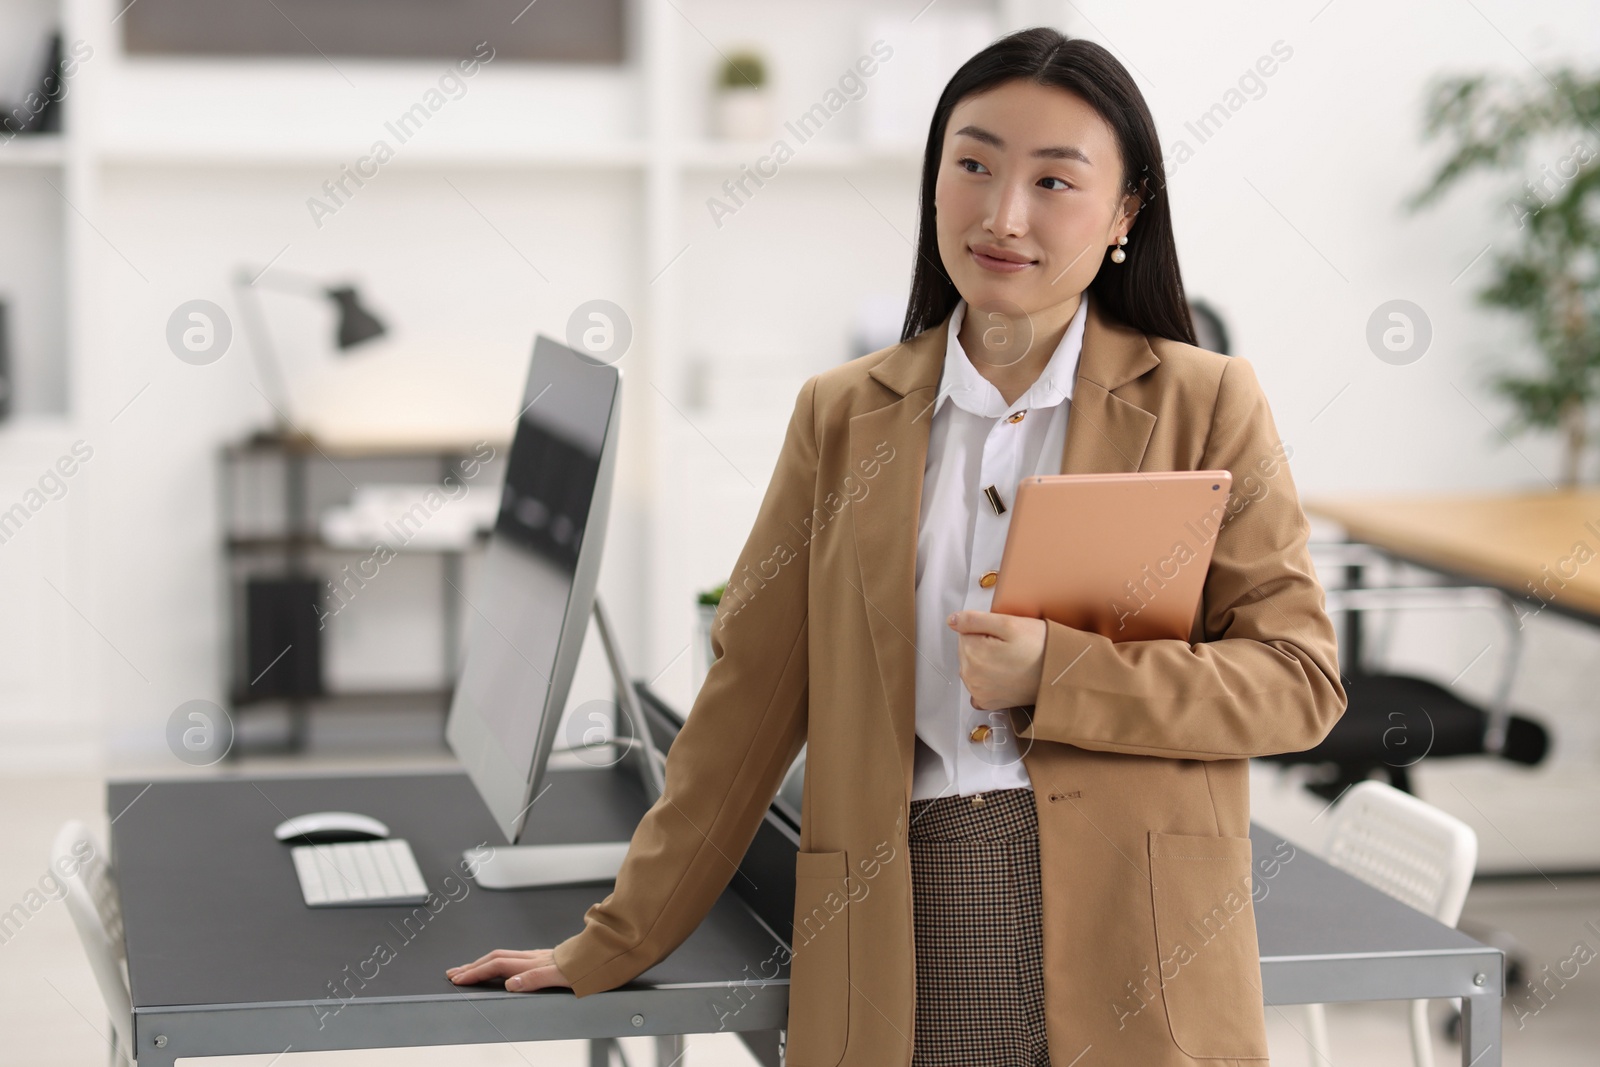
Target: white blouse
(975, 440)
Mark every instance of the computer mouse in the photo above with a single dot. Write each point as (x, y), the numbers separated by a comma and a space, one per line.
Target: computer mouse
(320, 827)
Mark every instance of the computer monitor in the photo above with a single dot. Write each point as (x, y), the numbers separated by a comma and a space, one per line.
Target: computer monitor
(530, 609)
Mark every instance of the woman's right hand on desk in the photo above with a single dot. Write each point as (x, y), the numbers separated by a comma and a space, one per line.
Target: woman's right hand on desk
(523, 969)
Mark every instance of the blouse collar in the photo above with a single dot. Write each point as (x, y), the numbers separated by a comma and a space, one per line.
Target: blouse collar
(972, 392)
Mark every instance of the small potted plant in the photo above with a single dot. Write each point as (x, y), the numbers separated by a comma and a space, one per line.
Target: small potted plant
(705, 617)
(742, 104)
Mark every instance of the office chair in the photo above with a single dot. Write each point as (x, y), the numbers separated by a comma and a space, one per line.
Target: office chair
(1412, 851)
(92, 902)
(1395, 720)
(1210, 330)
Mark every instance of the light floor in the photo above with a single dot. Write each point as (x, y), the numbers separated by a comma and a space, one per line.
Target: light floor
(50, 1010)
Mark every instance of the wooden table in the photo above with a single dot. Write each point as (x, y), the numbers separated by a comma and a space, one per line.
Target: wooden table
(1541, 546)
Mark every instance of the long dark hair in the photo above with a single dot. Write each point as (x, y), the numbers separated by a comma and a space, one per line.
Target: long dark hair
(1145, 291)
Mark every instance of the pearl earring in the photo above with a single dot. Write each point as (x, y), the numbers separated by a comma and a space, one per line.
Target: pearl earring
(1117, 254)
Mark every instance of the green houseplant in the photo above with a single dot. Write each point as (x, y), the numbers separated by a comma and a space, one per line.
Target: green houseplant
(742, 103)
(743, 68)
(705, 617)
(1547, 272)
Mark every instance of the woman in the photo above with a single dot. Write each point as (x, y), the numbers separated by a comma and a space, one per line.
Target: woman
(1075, 886)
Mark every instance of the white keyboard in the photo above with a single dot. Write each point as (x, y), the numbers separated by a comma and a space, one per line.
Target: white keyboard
(354, 873)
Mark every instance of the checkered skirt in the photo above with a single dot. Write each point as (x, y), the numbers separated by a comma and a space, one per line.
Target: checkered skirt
(979, 939)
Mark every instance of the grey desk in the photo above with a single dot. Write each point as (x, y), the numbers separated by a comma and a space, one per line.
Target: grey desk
(224, 958)
(1326, 936)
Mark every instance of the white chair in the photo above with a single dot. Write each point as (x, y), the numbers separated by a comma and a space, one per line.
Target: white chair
(1412, 851)
(93, 904)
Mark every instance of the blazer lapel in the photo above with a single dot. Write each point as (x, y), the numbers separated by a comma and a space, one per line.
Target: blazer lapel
(1104, 434)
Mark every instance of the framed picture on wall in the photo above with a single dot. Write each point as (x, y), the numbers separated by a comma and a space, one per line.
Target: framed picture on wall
(587, 32)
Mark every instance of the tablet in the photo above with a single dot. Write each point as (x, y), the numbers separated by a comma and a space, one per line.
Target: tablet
(1122, 555)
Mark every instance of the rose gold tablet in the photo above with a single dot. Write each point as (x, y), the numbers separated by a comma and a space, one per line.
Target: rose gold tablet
(1123, 555)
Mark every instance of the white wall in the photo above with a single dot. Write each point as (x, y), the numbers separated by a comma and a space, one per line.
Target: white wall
(1288, 221)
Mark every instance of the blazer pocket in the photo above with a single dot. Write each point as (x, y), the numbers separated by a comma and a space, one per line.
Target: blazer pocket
(1206, 936)
(819, 962)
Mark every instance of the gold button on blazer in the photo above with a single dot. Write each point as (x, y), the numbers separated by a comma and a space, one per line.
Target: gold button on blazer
(1136, 751)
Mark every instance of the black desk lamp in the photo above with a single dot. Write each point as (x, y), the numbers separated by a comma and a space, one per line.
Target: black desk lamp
(356, 326)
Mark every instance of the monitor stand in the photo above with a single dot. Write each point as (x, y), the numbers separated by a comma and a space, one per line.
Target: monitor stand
(529, 866)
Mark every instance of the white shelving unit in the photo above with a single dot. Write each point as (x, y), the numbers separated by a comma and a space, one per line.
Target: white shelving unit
(35, 267)
(637, 133)
(36, 150)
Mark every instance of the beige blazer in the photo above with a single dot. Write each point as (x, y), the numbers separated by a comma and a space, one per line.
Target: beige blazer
(1138, 750)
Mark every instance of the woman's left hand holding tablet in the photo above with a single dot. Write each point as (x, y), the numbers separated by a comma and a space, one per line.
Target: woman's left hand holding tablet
(523, 969)
(1002, 657)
